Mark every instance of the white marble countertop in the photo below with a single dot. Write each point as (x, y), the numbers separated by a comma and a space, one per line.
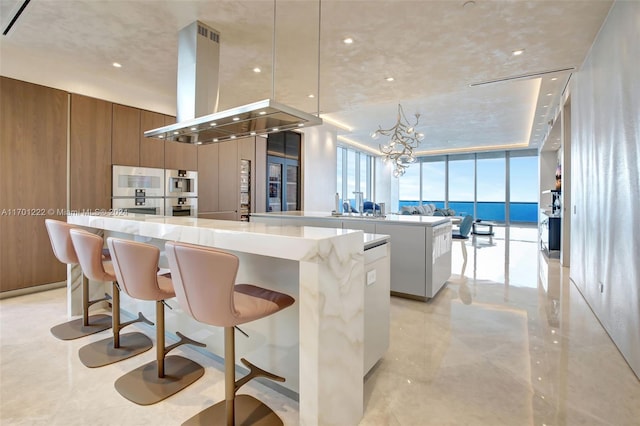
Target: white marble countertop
(286, 242)
(390, 218)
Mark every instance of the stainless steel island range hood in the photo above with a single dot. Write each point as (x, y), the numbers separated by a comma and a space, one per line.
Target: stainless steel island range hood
(197, 116)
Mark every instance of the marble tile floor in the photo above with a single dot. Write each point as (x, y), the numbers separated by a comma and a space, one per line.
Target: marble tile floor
(508, 341)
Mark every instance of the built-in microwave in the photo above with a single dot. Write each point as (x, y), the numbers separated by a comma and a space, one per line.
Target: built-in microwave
(181, 183)
(140, 205)
(137, 181)
(181, 206)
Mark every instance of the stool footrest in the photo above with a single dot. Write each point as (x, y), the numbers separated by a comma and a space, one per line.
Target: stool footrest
(254, 372)
(184, 340)
(141, 318)
(104, 299)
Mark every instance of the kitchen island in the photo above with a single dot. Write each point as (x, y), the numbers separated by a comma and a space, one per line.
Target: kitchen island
(420, 245)
(318, 344)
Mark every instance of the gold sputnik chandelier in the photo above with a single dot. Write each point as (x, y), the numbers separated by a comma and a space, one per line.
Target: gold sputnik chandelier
(403, 140)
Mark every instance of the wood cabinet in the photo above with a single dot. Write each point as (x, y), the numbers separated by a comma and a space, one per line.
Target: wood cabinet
(33, 181)
(228, 176)
(125, 136)
(208, 177)
(180, 156)
(151, 149)
(219, 177)
(90, 153)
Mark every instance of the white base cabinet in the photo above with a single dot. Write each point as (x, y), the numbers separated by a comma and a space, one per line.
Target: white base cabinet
(420, 247)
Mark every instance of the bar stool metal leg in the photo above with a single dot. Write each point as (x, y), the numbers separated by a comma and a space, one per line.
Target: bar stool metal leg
(86, 325)
(167, 375)
(119, 347)
(237, 410)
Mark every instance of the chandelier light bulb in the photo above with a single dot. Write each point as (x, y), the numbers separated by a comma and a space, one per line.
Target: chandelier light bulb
(420, 136)
(375, 135)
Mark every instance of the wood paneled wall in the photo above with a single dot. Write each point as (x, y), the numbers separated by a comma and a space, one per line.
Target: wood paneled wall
(33, 140)
(90, 153)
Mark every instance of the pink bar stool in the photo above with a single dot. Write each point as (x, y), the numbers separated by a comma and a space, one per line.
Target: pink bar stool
(136, 266)
(63, 250)
(88, 247)
(204, 280)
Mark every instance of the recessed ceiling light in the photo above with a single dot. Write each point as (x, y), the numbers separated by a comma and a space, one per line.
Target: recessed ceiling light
(213, 124)
(176, 133)
(253, 133)
(545, 106)
(215, 139)
(348, 40)
(275, 129)
(469, 4)
(517, 52)
(549, 94)
(233, 136)
(554, 78)
(161, 137)
(236, 118)
(300, 124)
(262, 112)
(311, 95)
(389, 78)
(257, 70)
(117, 65)
(193, 129)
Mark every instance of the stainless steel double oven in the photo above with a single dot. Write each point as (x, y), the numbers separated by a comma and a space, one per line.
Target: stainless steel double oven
(181, 193)
(146, 190)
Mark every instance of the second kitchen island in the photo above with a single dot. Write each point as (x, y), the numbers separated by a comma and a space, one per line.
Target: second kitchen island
(420, 245)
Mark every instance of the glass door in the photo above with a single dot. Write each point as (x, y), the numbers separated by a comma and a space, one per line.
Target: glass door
(292, 187)
(274, 201)
(283, 177)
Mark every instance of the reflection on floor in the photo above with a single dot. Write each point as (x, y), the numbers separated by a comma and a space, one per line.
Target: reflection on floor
(509, 341)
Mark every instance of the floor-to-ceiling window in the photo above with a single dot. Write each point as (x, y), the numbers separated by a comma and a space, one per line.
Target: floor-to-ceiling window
(340, 170)
(461, 184)
(523, 191)
(354, 174)
(409, 190)
(490, 186)
(476, 184)
(434, 181)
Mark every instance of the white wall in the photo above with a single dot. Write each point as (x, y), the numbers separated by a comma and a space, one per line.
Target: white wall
(605, 179)
(383, 184)
(319, 156)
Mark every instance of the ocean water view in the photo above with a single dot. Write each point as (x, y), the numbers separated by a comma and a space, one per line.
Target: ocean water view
(520, 212)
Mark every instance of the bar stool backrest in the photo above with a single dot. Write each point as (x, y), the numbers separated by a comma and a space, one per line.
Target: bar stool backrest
(204, 280)
(61, 241)
(88, 248)
(136, 267)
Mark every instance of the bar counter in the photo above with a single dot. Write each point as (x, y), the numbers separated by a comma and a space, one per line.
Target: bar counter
(322, 268)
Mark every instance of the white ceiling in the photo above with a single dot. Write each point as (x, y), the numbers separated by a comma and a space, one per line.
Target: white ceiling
(433, 49)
